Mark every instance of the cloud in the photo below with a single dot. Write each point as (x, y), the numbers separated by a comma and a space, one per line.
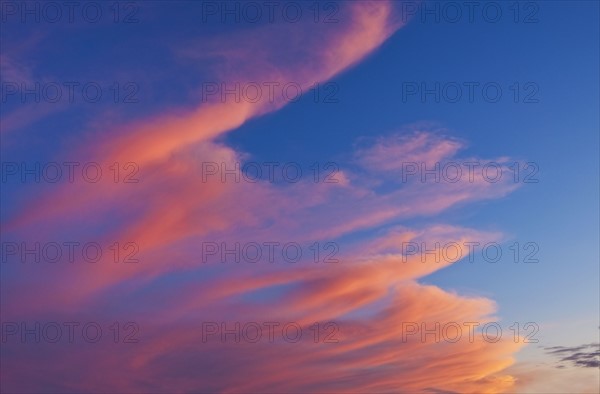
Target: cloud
(171, 293)
(389, 153)
(368, 294)
(586, 356)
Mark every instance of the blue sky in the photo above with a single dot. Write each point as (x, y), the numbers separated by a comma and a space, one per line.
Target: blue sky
(559, 133)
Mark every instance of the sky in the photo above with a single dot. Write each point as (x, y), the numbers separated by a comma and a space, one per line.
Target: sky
(299, 196)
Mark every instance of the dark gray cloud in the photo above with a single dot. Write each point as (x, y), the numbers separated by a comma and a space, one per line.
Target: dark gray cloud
(586, 356)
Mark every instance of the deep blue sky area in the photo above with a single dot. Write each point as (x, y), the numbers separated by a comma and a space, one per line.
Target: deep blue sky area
(558, 130)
